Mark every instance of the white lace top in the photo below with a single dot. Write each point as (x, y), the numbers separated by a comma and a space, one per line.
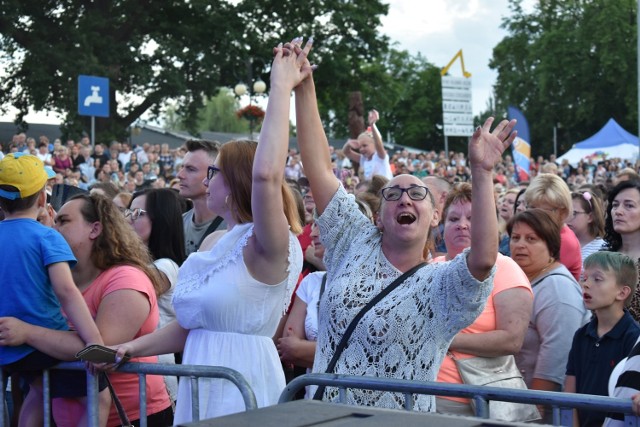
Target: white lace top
(406, 335)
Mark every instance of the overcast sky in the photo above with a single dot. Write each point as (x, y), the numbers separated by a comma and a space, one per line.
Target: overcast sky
(437, 29)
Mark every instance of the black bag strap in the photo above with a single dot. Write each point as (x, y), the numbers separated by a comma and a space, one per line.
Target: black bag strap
(322, 286)
(211, 228)
(549, 275)
(352, 326)
(124, 419)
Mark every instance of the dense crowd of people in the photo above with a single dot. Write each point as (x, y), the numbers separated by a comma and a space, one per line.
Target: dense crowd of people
(258, 257)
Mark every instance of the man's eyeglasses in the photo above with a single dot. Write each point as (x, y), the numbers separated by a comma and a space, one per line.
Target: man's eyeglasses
(211, 172)
(415, 192)
(134, 213)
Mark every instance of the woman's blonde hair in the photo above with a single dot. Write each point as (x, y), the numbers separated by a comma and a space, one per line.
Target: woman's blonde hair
(550, 188)
(118, 243)
(236, 166)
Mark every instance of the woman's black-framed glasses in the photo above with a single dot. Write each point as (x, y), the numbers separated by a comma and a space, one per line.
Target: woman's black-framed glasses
(415, 192)
(211, 172)
(134, 214)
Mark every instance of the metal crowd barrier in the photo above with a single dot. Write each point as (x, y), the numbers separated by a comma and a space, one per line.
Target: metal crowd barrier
(562, 403)
(143, 369)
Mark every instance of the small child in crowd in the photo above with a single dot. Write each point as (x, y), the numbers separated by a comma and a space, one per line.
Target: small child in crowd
(608, 283)
(36, 281)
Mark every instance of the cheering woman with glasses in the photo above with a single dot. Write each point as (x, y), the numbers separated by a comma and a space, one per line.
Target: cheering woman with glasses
(407, 333)
(229, 299)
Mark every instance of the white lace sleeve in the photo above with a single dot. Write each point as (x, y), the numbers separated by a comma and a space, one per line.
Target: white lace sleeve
(293, 269)
(460, 295)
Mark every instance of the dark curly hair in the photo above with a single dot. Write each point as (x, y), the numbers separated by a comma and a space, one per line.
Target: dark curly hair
(613, 239)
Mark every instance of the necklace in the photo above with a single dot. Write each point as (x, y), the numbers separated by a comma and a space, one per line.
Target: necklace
(539, 273)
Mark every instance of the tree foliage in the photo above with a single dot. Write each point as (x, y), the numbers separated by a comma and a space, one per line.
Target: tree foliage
(219, 114)
(572, 64)
(154, 51)
(406, 90)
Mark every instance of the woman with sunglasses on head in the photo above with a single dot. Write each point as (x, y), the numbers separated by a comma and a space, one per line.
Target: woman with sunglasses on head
(156, 217)
(407, 333)
(229, 299)
(622, 228)
(587, 222)
(550, 193)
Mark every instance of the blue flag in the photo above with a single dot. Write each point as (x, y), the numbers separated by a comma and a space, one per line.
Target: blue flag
(521, 147)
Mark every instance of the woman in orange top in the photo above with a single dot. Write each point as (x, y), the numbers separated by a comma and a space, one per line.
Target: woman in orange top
(501, 327)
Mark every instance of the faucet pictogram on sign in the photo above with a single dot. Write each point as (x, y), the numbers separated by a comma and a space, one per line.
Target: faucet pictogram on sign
(94, 98)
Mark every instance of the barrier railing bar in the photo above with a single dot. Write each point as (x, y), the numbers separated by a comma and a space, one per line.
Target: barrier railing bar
(562, 403)
(482, 406)
(4, 411)
(195, 399)
(143, 369)
(93, 416)
(408, 402)
(142, 383)
(46, 391)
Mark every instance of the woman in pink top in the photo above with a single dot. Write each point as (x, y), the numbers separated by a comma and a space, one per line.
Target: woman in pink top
(115, 275)
(62, 163)
(501, 327)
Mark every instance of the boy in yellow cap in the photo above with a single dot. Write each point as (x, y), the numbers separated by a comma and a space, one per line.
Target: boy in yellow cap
(36, 281)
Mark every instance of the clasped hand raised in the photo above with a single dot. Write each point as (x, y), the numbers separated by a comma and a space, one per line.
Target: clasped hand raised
(290, 63)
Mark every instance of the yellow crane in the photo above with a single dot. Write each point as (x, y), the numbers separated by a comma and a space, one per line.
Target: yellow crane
(445, 70)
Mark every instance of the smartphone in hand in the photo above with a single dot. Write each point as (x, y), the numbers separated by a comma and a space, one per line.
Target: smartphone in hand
(99, 354)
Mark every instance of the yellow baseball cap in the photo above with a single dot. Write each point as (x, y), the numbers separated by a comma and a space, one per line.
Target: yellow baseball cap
(25, 172)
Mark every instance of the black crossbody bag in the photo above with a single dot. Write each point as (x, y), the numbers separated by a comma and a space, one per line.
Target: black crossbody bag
(347, 333)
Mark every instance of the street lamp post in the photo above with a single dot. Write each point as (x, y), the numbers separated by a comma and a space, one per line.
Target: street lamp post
(259, 88)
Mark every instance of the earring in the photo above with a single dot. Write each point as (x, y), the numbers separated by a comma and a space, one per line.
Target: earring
(226, 201)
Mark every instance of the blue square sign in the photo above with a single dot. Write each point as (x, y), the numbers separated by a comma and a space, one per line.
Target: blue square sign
(93, 96)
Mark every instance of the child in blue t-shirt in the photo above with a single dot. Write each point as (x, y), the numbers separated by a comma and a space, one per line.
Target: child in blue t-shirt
(608, 283)
(36, 279)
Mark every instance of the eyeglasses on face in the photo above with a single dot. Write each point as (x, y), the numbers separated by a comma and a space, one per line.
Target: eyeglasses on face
(545, 208)
(415, 192)
(211, 172)
(134, 214)
(576, 213)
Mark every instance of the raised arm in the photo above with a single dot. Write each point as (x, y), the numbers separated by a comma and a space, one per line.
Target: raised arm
(377, 137)
(485, 150)
(314, 147)
(349, 150)
(270, 246)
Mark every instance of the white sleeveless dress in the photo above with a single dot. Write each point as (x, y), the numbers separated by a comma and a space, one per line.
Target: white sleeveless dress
(232, 318)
